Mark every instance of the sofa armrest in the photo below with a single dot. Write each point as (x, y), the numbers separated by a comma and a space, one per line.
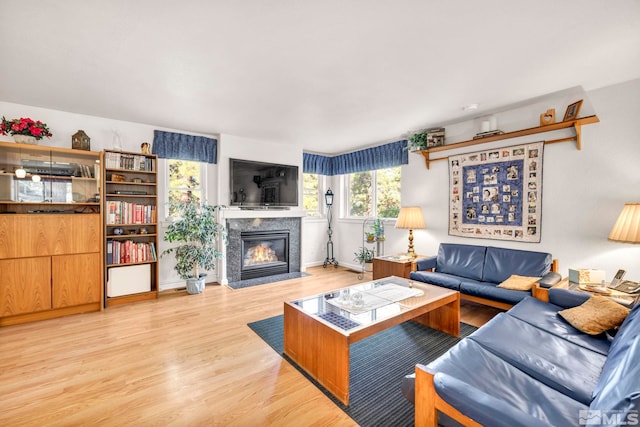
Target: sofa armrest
(550, 279)
(566, 298)
(480, 406)
(427, 263)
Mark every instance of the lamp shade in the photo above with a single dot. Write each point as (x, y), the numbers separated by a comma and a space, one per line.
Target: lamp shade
(627, 227)
(410, 217)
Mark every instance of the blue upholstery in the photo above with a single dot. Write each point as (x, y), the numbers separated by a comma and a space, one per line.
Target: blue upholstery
(439, 279)
(619, 386)
(461, 260)
(426, 263)
(501, 263)
(477, 270)
(478, 369)
(518, 344)
(529, 367)
(491, 291)
(566, 299)
(545, 316)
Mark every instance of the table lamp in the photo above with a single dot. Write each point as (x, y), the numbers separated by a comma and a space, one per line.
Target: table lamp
(627, 227)
(411, 218)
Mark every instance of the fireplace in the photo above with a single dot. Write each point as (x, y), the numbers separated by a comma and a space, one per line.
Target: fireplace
(244, 226)
(264, 253)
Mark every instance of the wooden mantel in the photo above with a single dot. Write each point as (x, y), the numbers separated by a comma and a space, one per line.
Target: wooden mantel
(575, 124)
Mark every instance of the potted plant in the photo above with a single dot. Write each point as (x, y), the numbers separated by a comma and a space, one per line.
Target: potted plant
(418, 141)
(371, 237)
(24, 130)
(378, 229)
(198, 230)
(364, 256)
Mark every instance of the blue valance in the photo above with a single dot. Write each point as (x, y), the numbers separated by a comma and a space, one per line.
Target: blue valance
(316, 163)
(171, 145)
(380, 157)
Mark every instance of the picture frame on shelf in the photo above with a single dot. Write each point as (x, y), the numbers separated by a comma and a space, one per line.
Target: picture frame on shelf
(572, 111)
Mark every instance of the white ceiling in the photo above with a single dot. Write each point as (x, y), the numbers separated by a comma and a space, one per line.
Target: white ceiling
(329, 75)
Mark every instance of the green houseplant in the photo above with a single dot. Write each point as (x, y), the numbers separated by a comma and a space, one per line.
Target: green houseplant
(198, 230)
(418, 141)
(364, 255)
(378, 229)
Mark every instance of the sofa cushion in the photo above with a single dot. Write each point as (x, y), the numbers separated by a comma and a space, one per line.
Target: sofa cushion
(618, 391)
(568, 368)
(619, 350)
(597, 315)
(461, 260)
(566, 299)
(500, 263)
(482, 370)
(519, 283)
(440, 279)
(544, 316)
(491, 291)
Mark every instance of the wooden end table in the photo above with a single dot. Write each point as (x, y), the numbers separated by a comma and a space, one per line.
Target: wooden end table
(392, 265)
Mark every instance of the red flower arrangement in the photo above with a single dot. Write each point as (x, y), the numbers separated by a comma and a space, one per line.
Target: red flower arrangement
(25, 126)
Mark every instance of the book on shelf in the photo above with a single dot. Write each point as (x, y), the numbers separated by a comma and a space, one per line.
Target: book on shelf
(130, 252)
(120, 212)
(135, 162)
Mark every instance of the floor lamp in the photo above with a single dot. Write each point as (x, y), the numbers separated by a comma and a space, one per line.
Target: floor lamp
(328, 199)
(410, 217)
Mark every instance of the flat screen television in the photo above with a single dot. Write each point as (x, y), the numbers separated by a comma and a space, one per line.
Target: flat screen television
(259, 184)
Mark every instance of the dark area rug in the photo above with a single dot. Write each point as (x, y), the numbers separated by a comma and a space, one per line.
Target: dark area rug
(378, 364)
(263, 280)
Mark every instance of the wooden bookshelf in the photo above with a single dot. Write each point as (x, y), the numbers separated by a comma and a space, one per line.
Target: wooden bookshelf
(130, 198)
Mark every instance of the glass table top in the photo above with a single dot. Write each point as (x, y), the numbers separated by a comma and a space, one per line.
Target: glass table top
(366, 303)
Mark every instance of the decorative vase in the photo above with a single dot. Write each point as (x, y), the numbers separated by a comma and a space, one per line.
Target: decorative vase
(195, 286)
(24, 139)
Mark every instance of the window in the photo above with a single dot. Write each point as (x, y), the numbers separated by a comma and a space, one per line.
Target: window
(185, 181)
(311, 193)
(374, 193)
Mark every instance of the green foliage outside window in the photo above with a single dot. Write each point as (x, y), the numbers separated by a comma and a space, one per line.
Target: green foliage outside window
(184, 183)
(311, 196)
(375, 193)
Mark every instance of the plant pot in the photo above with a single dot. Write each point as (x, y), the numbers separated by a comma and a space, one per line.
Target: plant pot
(24, 139)
(368, 267)
(195, 286)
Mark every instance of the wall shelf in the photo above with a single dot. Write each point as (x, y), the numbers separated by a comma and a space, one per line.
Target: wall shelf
(575, 124)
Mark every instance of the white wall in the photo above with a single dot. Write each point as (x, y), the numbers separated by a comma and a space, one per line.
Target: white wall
(583, 191)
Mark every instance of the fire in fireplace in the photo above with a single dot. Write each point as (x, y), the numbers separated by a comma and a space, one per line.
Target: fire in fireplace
(264, 253)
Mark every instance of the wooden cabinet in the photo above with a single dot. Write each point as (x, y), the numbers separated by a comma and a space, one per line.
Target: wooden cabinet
(130, 227)
(50, 266)
(50, 232)
(394, 265)
(68, 288)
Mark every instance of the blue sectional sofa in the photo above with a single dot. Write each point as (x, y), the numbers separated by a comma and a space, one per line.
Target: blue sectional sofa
(530, 367)
(476, 271)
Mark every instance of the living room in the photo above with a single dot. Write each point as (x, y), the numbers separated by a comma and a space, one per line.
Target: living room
(583, 193)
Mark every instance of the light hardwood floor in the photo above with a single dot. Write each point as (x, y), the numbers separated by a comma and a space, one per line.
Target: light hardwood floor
(181, 360)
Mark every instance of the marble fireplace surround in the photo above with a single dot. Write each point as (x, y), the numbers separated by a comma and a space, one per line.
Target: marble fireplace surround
(237, 221)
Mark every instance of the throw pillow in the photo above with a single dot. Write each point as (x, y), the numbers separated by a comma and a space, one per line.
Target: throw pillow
(519, 283)
(596, 315)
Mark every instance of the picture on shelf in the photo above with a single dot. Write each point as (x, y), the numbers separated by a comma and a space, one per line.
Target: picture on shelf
(572, 111)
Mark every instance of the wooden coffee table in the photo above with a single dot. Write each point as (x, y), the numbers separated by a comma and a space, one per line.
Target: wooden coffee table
(319, 329)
